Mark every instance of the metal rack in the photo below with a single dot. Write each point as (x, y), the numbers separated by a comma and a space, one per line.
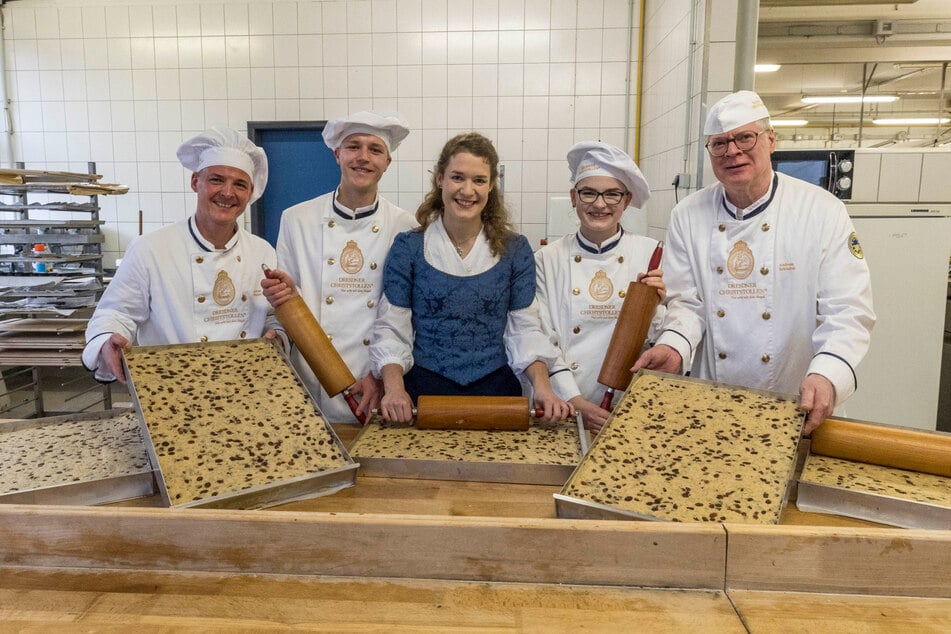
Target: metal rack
(48, 293)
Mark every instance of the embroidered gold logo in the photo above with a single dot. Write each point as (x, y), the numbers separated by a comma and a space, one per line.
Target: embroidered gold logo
(601, 287)
(740, 261)
(223, 291)
(855, 247)
(351, 258)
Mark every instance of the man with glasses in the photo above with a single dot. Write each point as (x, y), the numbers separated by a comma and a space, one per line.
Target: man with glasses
(581, 278)
(769, 288)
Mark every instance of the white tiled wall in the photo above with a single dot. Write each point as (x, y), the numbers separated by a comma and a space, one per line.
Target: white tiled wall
(123, 83)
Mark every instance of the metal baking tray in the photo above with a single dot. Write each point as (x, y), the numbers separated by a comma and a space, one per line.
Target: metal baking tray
(85, 459)
(231, 425)
(692, 459)
(546, 453)
(886, 495)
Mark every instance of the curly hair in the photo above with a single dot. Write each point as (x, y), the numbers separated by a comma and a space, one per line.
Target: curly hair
(495, 215)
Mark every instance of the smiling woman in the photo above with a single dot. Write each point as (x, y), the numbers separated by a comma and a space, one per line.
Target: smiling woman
(458, 315)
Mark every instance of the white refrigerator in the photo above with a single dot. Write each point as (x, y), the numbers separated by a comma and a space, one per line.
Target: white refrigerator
(907, 246)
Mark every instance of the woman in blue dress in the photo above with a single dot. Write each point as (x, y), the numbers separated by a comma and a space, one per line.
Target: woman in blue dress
(458, 313)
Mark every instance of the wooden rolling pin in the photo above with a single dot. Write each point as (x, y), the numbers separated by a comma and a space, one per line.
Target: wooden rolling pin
(319, 353)
(629, 334)
(510, 413)
(909, 449)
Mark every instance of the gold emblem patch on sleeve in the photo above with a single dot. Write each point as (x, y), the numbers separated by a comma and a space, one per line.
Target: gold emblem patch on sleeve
(854, 246)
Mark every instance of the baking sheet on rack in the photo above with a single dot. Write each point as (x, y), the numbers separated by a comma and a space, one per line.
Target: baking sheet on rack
(544, 454)
(683, 449)
(232, 426)
(94, 458)
(875, 493)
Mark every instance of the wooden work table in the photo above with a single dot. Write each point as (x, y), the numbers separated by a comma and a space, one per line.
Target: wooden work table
(427, 555)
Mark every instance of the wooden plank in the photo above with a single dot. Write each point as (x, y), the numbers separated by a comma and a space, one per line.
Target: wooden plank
(476, 549)
(31, 599)
(793, 611)
(841, 560)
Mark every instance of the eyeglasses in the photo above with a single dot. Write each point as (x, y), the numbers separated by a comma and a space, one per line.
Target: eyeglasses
(611, 197)
(744, 141)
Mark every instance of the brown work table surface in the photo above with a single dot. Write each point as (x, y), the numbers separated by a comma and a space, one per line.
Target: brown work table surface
(426, 555)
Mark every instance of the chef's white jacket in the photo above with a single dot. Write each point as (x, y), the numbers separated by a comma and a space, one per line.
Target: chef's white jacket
(173, 286)
(336, 257)
(779, 294)
(580, 288)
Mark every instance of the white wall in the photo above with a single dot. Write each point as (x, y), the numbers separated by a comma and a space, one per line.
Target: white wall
(123, 83)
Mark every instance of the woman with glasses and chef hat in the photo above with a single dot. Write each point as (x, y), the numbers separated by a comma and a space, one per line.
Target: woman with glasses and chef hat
(581, 278)
(769, 287)
(198, 279)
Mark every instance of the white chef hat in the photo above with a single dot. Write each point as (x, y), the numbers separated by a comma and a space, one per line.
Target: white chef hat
(734, 110)
(593, 158)
(390, 127)
(224, 146)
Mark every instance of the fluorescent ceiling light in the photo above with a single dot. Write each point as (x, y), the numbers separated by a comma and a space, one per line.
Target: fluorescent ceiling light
(851, 99)
(912, 121)
(766, 68)
(788, 123)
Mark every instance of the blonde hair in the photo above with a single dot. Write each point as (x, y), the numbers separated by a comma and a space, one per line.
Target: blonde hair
(495, 216)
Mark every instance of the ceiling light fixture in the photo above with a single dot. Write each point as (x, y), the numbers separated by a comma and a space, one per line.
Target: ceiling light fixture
(788, 123)
(766, 68)
(851, 99)
(912, 121)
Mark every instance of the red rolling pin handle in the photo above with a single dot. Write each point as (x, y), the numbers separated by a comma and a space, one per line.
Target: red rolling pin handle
(608, 399)
(353, 405)
(656, 256)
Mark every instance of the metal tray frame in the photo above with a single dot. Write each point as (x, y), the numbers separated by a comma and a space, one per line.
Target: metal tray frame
(465, 470)
(265, 495)
(570, 507)
(88, 492)
(873, 507)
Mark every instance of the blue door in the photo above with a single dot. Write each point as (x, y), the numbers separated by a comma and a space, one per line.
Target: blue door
(300, 167)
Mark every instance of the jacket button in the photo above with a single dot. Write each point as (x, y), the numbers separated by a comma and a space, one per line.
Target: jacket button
(329, 300)
(722, 227)
(765, 358)
(366, 342)
(331, 261)
(722, 355)
(764, 270)
(574, 366)
(244, 334)
(620, 259)
(765, 226)
(372, 266)
(244, 297)
(239, 258)
(576, 291)
(376, 229)
(766, 315)
(577, 258)
(371, 304)
(331, 223)
(204, 339)
(622, 293)
(719, 269)
(201, 299)
(576, 329)
(720, 313)
(199, 259)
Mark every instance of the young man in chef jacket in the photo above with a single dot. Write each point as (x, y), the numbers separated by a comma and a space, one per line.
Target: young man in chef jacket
(331, 249)
(581, 278)
(768, 286)
(198, 279)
